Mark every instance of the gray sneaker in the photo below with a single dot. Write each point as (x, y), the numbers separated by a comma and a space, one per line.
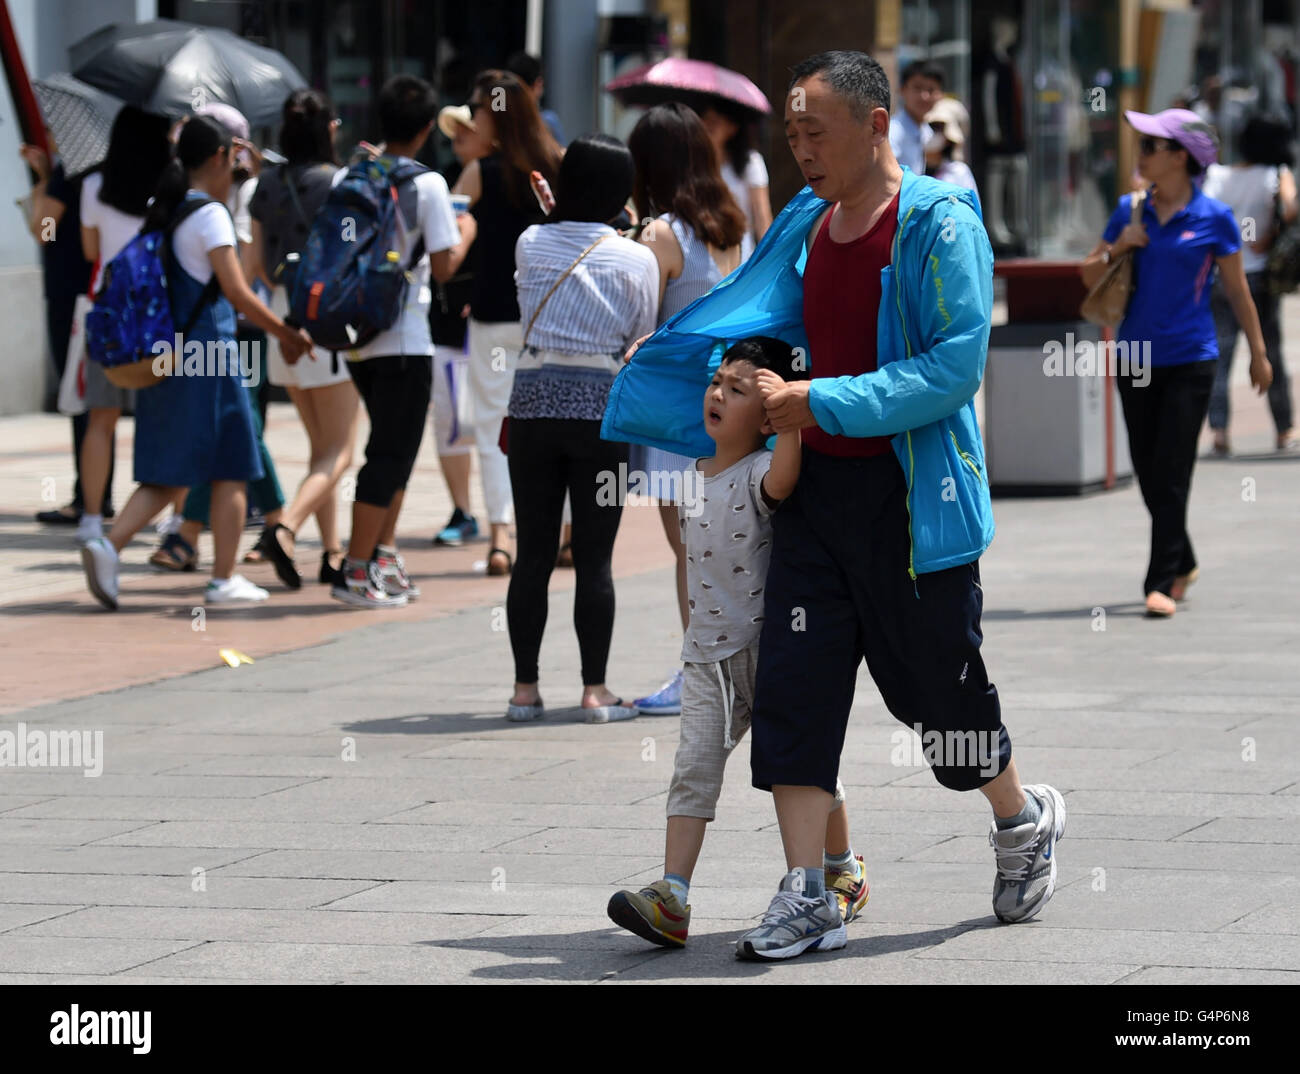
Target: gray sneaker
(794, 924)
(1027, 858)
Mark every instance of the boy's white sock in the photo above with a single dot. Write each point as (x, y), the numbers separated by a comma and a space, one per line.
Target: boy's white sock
(679, 886)
(841, 863)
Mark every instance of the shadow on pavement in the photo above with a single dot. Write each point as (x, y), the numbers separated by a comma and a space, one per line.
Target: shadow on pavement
(612, 953)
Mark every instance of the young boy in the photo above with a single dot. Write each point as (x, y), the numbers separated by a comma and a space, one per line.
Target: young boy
(728, 538)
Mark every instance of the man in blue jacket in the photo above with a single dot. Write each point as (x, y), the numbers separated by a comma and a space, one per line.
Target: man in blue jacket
(886, 278)
(875, 555)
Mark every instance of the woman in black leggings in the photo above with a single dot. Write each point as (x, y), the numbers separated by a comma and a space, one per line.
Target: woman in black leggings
(585, 293)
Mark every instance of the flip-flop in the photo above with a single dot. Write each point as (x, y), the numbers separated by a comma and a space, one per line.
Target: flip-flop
(610, 713)
(525, 713)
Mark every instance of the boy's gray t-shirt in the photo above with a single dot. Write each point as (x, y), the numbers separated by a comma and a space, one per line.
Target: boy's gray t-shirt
(728, 544)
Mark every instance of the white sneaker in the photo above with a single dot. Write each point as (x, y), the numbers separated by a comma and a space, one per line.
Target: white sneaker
(235, 588)
(101, 562)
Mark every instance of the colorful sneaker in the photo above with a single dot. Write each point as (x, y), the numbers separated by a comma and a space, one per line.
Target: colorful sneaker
(392, 572)
(101, 563)
(362, 587)
(234, 590)
(460, 529)
(850, 894)
(653, 913)
(666, 701)
(1027, 858)
(794, 924)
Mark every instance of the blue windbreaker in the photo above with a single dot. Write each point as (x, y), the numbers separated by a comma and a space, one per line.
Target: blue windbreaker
(932, 341)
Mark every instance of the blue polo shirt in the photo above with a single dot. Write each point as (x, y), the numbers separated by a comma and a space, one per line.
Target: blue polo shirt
(1173, 274)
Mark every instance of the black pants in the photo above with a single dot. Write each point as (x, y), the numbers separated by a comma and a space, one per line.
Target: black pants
(1164, 421)
(549, 456)
(838, 591)
(396, 390)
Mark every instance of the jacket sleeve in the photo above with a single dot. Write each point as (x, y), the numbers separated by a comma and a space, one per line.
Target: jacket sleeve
(951, 299)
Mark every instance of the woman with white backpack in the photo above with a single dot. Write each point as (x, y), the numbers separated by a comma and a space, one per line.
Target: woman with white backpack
(195, 428)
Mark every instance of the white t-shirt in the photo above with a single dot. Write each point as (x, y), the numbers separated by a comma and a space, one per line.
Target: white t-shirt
(1249, 192)
(740, 185)
(202, 231)
(115, 227)
(436, 220)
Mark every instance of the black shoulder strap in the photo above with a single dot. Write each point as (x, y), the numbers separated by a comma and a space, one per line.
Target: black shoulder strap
(212, 288)
(292, 184)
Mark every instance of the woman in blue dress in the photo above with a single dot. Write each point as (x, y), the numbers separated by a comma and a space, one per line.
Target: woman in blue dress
(196, 425)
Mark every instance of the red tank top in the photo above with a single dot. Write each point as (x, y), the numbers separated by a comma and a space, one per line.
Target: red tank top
(841, 305)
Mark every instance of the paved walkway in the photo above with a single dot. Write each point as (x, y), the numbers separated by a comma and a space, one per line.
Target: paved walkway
(357, 810)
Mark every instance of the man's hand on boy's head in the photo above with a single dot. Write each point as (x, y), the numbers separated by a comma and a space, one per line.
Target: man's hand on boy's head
(788, 408)
(768, 381)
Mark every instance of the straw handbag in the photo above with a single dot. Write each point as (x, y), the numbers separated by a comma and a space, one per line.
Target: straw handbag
(1107, 302)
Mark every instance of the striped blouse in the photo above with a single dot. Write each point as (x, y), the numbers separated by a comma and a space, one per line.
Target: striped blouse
(575, 347)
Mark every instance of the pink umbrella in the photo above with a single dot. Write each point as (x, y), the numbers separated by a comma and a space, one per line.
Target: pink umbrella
(674, 78)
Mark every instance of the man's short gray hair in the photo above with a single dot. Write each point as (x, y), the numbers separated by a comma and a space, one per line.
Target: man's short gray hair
(853, 76)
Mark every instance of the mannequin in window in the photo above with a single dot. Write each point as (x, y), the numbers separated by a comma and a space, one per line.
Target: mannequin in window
(1000, 113)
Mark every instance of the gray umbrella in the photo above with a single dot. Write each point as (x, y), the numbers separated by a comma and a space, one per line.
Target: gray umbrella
(175, 68)
(81, 118)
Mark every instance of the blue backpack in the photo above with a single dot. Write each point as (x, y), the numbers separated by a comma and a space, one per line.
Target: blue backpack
(132, 310)
(350, 283)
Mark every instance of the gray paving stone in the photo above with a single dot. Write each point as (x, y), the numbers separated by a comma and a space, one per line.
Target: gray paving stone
(105, 890)
(1186, 802)
(280, 926)
(18, 915)
(74, 784)
(267, 835)
(1279, 917)
(135, 861)
(351, 811)
(484, 868)
(400, 770)
(1143, 948)
(1133, 854)
(27, 830)
(1209, 975)
(46, 954)
(1241, 830)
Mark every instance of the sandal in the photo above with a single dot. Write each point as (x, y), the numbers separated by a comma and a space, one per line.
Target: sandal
(1178, 591)
(280, 559)
(565, 558)
(525, 713)
(495, 571)
(175, 554)
(610, 713)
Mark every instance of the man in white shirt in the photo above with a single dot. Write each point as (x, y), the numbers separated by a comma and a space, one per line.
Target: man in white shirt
(394, 371)
(921, 87)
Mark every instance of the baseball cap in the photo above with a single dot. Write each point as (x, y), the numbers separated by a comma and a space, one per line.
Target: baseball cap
(1179, 125)
(453, 115)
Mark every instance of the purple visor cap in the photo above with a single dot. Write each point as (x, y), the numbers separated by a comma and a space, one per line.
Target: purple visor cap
(1179, 125)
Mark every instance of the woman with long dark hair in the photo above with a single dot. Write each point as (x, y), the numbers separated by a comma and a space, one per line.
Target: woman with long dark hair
(1181, 239)
(694, 226)
(731, 130)
(113, 202)
(585, 293)
(320, 387)
(191, 429)
(505, 113)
